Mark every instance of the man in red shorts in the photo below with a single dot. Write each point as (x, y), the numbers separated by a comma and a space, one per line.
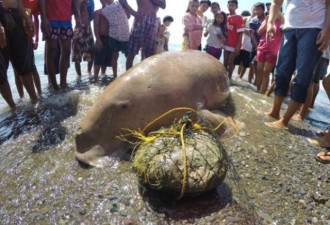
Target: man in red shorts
(56, 25)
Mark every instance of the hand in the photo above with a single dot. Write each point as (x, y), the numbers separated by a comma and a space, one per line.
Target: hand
(45, 27)
(270, 32)
(322, 40)
(35, 45)
(2, 37)
(29, 24)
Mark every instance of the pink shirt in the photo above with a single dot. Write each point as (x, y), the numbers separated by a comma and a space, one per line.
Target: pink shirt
(59, 10)
(274, 44)
(195, 36)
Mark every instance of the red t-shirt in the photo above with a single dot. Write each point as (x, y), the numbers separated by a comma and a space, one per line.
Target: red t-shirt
(31, 7)
(234, 25)
(59, 10)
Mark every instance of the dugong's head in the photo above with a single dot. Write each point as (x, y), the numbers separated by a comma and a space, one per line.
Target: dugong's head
(96, 135)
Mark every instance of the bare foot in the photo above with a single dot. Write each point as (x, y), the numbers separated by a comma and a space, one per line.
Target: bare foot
(298, 117)
(277, 124)
(323, 157)
(323, 132)
(322, 141)
(271, 114)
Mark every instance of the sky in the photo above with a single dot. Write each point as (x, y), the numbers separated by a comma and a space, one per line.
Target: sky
(177, 8)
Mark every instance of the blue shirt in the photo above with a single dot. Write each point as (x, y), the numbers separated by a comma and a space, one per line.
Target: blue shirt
(254, 25)
(90, 8)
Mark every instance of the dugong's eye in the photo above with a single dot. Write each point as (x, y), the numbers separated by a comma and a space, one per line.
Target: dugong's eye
(124, 106)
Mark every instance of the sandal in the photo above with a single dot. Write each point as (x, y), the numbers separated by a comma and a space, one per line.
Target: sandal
(318, 158)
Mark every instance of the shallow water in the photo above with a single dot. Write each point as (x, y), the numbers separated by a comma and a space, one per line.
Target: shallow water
(275, 179)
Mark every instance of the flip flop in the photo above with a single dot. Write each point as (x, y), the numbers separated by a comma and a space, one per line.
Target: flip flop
(317, 158)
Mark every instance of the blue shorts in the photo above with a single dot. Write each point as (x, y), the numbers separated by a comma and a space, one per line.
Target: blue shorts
(298, 55)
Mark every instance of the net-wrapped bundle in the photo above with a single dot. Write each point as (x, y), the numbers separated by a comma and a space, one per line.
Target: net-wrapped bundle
(163, 163)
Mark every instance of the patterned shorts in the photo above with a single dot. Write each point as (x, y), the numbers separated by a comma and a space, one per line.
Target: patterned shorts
(61, 33)
(143, 36)
(83, 45)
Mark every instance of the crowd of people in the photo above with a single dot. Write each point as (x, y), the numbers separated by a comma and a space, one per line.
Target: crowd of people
(264, 40)
(19, 36)
(289, 47)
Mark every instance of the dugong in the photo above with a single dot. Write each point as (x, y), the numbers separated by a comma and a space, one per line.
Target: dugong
(159, 83)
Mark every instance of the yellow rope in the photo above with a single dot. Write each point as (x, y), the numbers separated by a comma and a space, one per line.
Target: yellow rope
(184, 164)
(167, 113)
(234, 135)
(173, 131)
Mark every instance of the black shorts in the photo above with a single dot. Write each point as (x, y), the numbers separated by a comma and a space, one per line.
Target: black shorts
(18, 48)
(320, 69)
(253, 55)
(103, 57)
(244, 58)
(118, 46)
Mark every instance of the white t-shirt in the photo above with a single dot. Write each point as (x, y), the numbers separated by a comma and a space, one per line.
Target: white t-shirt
(305, 14)
(213, 39)
(246, 39)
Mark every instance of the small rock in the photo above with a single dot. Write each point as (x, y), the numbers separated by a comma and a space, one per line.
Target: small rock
(128, 221)
(302, 201)
(82, 211)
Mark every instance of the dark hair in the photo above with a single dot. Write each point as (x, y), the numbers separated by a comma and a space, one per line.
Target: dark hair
(268, 3)
(208, 2)
(190, 2)
(233, 1)
(245, 13)
(215, 3)
(223, 25)
(168, 18)
(259, 4)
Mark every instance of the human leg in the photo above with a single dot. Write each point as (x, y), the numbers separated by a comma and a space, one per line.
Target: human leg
(19, 85)
(50, 61)
(36, 80)
(27, 80)
(114, 62)
(304, 108)
(226, 59)
(260, 72)
(268, 67)
(231, 64)
(6, 94)
(65, 60)
(78, 68)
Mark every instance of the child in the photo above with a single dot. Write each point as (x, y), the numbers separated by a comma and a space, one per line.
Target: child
(119, 34)
(235, 31)
(193, 27)
(83, 43)
(255, 24)
(102, 57)
(144, 28)
(267, 52)
(243, 59)
(295, 59)
(217, 37)
(203, 7)
(56, 25)
(163, 35)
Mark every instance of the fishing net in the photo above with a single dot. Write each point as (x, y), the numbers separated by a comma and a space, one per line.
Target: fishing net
(186, 158)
